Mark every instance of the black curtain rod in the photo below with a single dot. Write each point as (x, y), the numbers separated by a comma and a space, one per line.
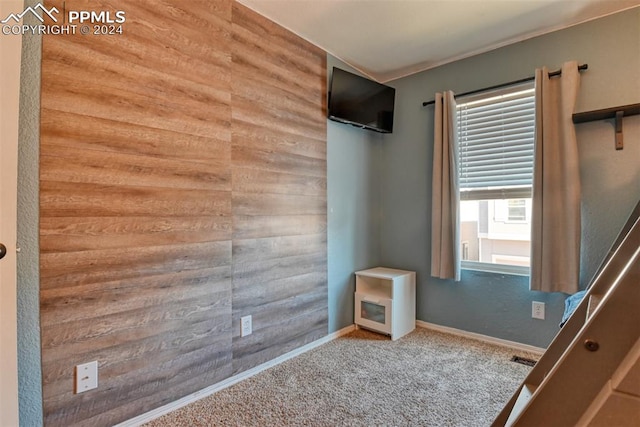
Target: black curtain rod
(528, 79)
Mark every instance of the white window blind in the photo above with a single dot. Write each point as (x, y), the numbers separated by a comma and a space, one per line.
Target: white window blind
(495, 143)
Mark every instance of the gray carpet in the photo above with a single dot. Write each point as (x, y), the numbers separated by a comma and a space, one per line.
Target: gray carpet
(426, 378)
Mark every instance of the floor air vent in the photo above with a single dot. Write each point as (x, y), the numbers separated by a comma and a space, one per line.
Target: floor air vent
(523, 360)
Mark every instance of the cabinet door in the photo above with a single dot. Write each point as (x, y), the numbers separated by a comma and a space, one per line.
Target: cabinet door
(373, 312)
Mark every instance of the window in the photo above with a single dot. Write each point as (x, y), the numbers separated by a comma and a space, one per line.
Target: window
(495, 167)
(512, 210)
(517, 210)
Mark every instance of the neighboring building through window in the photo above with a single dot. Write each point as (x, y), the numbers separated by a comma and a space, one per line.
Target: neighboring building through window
(495, 168)
(517, 209)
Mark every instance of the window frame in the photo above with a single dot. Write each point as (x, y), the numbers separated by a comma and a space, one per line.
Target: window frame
(512, 193)
(516, 270)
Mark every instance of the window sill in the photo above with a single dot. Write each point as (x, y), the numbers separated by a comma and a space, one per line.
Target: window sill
(515, 270)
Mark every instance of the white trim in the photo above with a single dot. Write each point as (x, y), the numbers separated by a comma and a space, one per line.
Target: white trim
(487, 267)
(485, 338)
(163, 410)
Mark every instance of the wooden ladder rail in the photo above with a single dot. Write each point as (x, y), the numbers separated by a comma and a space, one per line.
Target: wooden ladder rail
(620, 294)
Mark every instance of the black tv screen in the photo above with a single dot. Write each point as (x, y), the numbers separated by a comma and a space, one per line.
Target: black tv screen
(360, 102)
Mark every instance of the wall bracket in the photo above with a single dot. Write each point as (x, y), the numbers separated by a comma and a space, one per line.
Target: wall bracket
(616, 113)
(619, 140)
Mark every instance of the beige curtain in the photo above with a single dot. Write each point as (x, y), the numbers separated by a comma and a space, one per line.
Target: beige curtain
(555, 229)
(445, 228)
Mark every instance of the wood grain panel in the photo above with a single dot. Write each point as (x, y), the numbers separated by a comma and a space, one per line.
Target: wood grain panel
(276, 45)
(59, 198)
(287, 336)
(277, 204)
(117, 76)
(257, 294)
(200, 364)
(166, 344)
(189, 43)
(136, 216)
(277, 316)
(159, 396)
(65, 269)
(249, 135)
(73, 234)
(98, 167)
(255, 227)
(66, 304)
(254, 250)
(95, 100)
(164, 335)
(251, 63)
(182, 185)
(92, 133)
(278, 189)
(278, 161)
(245, 110)
(247, 273)
(247, 180)
(300, 111)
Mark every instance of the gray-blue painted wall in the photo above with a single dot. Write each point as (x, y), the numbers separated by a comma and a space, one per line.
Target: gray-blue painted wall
(493, 304)
(28, 273)
(353, 210)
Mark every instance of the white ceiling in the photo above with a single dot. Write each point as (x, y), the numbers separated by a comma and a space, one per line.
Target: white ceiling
(388, 39)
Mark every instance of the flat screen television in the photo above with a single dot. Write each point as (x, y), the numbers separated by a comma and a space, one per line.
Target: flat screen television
(360, 102)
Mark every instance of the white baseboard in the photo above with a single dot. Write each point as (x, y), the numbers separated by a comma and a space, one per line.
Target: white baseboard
(491, 340)
(163, 410)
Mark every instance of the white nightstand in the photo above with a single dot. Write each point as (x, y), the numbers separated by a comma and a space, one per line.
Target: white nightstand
(385, 301)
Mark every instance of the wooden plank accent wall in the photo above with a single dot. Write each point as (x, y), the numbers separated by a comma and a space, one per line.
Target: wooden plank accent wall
(183, 185)
(278, 158)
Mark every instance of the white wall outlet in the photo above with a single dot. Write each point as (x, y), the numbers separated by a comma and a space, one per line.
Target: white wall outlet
(537, 310)
(245, 326)
(86, 376)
